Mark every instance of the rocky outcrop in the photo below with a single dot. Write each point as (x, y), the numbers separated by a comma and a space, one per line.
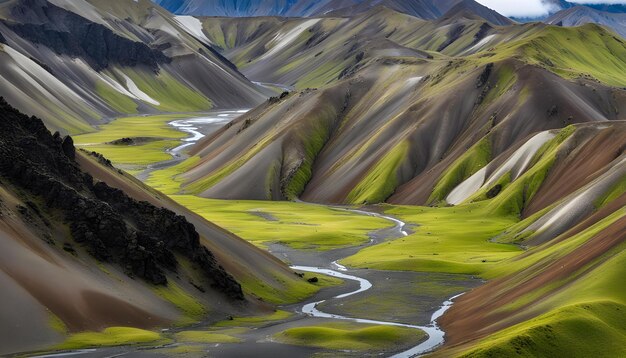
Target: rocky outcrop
(140, 237)
(484, 76)
(70, 34)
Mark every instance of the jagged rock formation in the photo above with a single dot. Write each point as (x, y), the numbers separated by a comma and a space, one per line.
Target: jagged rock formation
(140, 237)
(70, 34)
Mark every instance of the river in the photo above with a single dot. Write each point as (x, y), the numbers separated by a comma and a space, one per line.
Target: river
(435, 334)
(206, 124)
(199, 127)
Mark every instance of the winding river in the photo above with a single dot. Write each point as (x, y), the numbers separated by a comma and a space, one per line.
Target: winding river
(199, 127)
(435, 334)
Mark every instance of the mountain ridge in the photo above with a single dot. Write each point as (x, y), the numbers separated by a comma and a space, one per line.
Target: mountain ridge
(581, 15)
(76, 64)
(426, 9)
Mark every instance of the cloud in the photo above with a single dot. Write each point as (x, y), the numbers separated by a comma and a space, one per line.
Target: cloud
(526, 8)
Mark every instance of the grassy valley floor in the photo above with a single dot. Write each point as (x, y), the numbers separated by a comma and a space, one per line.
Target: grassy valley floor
(411, 275)
(447, 251)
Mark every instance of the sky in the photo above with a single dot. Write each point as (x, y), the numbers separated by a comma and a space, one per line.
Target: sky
(534, 8)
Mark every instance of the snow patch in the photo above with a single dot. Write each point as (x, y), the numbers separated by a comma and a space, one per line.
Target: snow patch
(194, 27)
(467, 188)
(414, 80)
(520, 160)
(132, 87)
(281, 40)
(516, 165)
(481, 43)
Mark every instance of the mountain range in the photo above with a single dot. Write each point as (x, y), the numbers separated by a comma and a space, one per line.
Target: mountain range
(524, 120)
(426, 9)
(303, 8)
(580, 15)
(564, 13)
(77, 63)
(440, 107)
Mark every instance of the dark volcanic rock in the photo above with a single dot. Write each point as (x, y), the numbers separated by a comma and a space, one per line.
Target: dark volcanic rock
(453, 35)
(484, 76)
(70, 34)
(493, 192)
(482, 32)
(112, 226)
(68, 147)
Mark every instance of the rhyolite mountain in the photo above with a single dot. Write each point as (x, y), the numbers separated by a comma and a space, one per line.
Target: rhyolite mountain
(333, 143)
(455, 107)
(88, 247)
(78, 63)
(523, 121)
(580, 15)
(427, 9)
(607, 7)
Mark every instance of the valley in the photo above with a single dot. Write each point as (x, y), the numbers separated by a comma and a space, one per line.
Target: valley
(313, 239)
(311, 179)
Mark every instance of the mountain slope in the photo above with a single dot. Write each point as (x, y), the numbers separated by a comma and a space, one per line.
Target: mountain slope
(425, 9)
(472, 9)
(78, 253)
(78, 63)
(564, 287)
(580, 15)
(309, 53)
(377, 133)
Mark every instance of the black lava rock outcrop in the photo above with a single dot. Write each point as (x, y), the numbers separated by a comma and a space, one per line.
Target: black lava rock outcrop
(484, 76)
(140, 237)
(70, 34)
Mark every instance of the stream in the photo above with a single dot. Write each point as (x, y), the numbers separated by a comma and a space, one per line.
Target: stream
(199, 127)
(435, 334)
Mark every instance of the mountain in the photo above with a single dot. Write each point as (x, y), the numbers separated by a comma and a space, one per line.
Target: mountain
(242, 8)
(266, 49)
(606, 7)
(580, 15)
(331, 140)
(559, 5)
(78, 63)
(85, 246)
(472, 9)
(524, 122)
(426, 9)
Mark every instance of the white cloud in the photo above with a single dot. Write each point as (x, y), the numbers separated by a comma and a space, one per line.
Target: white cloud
(535, 8)
(526, 8)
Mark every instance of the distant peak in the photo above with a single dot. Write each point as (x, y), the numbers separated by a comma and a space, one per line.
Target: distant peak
(470, 9)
